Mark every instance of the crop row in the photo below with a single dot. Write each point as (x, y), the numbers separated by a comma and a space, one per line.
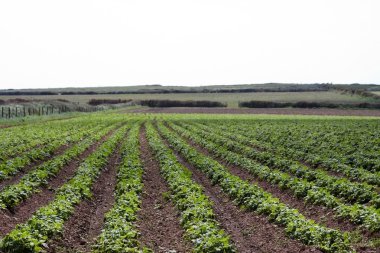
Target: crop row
(317, 161)
(120, 233)
(197, 216)
(17, 140)
(16, 137)
(48, 221)
(255, 198)
(369, 217)
(33, 140)
(353, 143)
(13, 166)
(31, 182)
(351, 192)
(39, 137)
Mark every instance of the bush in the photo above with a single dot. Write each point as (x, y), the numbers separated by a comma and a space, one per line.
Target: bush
(263, 104)
(304, 104)
(177, 103)
(108, 101)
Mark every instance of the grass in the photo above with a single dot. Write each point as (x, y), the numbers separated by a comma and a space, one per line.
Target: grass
(275, 86)
(231, 99)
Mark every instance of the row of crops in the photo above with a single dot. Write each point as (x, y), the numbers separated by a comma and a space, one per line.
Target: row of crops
(332, 165)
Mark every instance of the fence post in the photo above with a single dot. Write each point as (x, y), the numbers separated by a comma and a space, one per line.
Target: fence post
(2, 112)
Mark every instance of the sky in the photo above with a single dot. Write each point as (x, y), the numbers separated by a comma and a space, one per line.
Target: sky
(82, 43)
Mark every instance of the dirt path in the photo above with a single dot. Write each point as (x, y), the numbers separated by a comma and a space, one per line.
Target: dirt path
(283, 111)
(21, 213)
(82, 228)
(249, 232)
(158, 220)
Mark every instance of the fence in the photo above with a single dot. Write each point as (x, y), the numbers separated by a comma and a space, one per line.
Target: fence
(8, 112)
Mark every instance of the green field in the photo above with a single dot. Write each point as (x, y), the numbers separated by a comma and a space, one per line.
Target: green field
(110, 181)
(231, 99)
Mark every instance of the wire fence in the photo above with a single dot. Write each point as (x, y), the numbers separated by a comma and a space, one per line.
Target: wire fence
(8, 112)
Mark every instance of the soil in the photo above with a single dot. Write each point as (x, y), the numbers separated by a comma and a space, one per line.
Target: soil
(320, 214)
(86, 223)
(15, 179)
(285, 111)
(158, 220)
(249, 232)
(20, 214)
(309, 165)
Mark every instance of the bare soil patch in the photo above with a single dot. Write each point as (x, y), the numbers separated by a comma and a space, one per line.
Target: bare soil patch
(86, 223)
(158, 220)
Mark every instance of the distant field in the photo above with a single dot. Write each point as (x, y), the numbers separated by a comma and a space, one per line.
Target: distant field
(231, 99)
(376, 92)
(156, 88)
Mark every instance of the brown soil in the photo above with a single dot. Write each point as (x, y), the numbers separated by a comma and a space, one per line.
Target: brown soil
(21, 213)
(83, 227)
(285, 111)
(249, 232)
(158, 220)
(320, 214)
(15, 179)
(317, 213)
(308, 165)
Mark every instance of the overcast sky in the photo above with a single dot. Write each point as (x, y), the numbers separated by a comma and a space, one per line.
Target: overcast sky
(51, 43)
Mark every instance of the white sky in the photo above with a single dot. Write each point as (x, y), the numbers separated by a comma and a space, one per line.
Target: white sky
(51, 43)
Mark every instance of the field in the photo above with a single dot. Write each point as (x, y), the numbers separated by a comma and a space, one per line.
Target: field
(231, 99)
(138, 182)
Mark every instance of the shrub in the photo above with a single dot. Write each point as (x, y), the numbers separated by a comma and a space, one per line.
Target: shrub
(177, 103)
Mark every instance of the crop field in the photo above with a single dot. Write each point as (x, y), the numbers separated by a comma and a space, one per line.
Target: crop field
(130, 182)
(231, 99)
